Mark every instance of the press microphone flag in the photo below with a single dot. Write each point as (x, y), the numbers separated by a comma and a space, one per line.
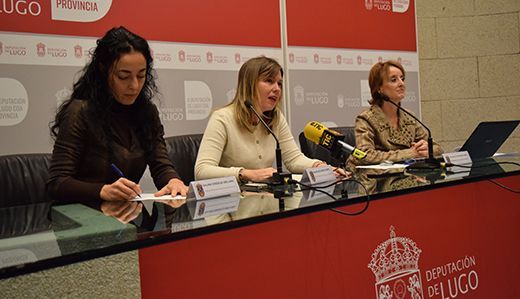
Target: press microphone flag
(332, 140)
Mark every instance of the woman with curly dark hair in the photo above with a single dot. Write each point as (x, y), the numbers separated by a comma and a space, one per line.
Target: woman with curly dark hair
(110, 122)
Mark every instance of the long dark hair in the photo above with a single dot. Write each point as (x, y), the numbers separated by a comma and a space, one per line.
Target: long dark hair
(93, 87)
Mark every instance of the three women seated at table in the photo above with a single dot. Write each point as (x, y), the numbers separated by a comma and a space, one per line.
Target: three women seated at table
(110, 122)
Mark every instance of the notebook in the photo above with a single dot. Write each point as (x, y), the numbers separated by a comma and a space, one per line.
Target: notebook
(487, 138)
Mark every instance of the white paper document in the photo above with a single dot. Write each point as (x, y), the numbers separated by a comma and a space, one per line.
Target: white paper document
(150, 196)
(383, 166)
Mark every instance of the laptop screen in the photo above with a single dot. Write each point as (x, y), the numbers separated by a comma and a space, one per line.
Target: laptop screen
(487, 138)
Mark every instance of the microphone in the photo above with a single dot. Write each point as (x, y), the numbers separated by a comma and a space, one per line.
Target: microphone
(279, 177)
(278, 150)
(429, 163)
(332, 140)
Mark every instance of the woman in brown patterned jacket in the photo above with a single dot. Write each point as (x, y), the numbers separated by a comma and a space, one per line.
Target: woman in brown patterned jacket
(384, 132)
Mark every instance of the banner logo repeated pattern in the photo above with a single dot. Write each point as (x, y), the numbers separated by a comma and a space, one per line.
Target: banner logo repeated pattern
(78, 51)
(398, 6)
(40, 49)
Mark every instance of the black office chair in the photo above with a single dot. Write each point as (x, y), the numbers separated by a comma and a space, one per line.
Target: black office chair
(23, 178)
(182, 151)
(314, 151)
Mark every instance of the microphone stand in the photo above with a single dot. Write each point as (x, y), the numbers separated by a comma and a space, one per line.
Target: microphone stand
(430, 163)
(280, 178)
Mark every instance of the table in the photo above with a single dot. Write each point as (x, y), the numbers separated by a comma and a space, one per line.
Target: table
(437, 236)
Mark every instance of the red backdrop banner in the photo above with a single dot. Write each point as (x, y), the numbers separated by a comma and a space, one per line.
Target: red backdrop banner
(360, 24)
(230, 22)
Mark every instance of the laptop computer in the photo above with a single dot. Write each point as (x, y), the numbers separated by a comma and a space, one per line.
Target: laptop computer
(487, 138)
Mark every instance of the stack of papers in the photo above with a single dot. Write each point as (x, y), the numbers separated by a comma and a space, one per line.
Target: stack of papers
(383, 166)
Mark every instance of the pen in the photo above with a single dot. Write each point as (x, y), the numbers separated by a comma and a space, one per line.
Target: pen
(120, 173)
(408, 161)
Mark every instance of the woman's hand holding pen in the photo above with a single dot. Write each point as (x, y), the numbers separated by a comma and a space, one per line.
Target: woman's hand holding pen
(122, 189)
(174, 187)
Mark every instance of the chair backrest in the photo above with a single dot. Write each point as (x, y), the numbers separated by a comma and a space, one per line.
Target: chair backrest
(23, 178)
(314, 151)
(349, 132)
(182, 151)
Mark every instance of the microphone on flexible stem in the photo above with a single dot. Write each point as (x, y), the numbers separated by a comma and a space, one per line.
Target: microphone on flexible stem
(278, 150)
(430, 163)
(280, 178)
(319, 134)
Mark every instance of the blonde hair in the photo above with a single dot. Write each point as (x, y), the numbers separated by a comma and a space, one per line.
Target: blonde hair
(250, 73)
